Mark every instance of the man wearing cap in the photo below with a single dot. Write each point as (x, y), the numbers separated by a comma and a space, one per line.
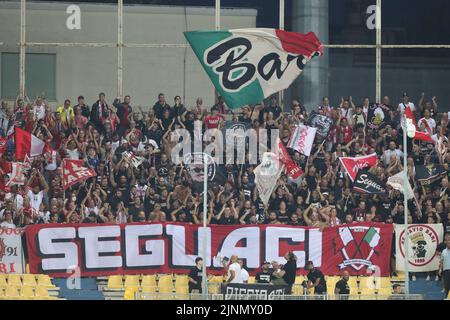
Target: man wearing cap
(265, 274)
(316, 279)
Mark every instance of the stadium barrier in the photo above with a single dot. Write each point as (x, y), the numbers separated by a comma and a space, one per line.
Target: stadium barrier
(197, 296)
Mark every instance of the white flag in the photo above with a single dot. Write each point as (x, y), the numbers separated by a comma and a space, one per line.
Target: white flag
(302, 139)
(17, 176)
(131, 158)
(400, 182)
(422, 244)
(267, 174)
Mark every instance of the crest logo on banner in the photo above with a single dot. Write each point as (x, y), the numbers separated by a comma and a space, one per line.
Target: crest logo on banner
(358, 245)
(423, 241)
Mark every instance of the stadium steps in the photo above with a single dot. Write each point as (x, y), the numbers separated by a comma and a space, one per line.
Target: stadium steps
(88, 291)
(431, 290)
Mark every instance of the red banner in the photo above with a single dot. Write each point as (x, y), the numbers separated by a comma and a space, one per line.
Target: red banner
(352, 165)
(73, 171)
(292, 169)
(145, 248)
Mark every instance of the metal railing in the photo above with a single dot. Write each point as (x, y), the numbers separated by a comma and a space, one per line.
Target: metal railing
(252, 297)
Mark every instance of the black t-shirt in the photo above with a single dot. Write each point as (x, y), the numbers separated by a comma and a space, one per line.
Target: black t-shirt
(343, 287)
(227, 220)
(289, 268)
(263, 277)
(315, 274)
(195, 274)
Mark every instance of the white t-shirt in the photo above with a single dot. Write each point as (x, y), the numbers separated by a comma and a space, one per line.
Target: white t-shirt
(236, 267)
(7, 225)
(431, 124)
(73, 154)
(36, 199)
(411, 105)
(39, 111)
(87, 211)
(244, 275)
(45, 216)
(347, 113)
(52, 165)
(389, 153)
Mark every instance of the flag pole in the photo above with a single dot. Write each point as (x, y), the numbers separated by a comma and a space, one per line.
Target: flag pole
(405, 199)
(205, 234)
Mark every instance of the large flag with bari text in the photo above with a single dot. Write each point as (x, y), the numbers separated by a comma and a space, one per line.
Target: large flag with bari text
(248, 65)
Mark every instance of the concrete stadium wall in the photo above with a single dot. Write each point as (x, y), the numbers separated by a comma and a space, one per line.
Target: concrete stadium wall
(147, 71)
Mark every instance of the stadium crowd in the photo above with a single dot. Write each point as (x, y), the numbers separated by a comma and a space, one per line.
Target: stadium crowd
(158, 190)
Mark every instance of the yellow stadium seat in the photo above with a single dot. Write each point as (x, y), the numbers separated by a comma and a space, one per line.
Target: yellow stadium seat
(44, 280)
(299, 279)
(384, 291)
(148, 280)
(130, 293)
(251, 280)
(131, 281)
(367, 282)
(41, 292)
(165, 280)
(3, 280)
(148, 289)
(297, 289)
(367, 292)
(14, 279)
(29, 280)
(12, 292)
(182, 289)
(353, 283)
(27, 292)
(27, 268)
(181, 280)
(216, 279)
(115, 282)
(383, 282)
(213, 287)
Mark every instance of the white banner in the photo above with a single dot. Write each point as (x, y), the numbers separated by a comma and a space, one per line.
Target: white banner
(11, 250)
(302, 139)
(266, 175)
(423, 241)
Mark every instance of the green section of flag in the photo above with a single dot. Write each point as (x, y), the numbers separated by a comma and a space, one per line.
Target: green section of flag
(372, 237)
(200, 41)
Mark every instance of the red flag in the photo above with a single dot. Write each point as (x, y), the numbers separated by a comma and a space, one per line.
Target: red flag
(292, 169)
(27, 144)
(352, 165)
(73, 171)
(418, 135)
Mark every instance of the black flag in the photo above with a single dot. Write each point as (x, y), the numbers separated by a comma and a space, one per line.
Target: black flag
(321, 122)
(377, 115)
(427, 174)
(194, 164)
(366, 182)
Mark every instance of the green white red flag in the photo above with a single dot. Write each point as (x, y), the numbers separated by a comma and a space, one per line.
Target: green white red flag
(248, 65)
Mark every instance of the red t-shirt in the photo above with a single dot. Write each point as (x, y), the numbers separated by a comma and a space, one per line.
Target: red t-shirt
(212, 122)
(347, 133)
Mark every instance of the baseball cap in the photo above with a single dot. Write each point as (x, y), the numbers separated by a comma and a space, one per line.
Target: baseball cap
(405, 94)
(309, 262)
(266, 262)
